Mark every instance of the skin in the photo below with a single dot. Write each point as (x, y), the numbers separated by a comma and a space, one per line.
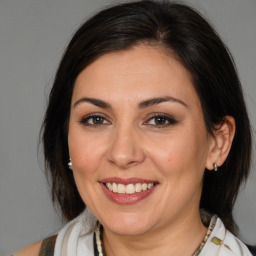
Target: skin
(31, 250)
(127, 141)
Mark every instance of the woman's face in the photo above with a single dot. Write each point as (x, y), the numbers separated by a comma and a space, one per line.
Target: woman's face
(136, 126)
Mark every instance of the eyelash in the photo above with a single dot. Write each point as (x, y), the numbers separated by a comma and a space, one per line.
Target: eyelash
(164, 117)
(85, 120)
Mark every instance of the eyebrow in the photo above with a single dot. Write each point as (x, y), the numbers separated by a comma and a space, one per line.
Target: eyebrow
(154, 101)
(144, 104)
(96, 102)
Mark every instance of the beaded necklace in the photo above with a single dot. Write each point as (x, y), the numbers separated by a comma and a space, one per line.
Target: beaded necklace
(98, 239)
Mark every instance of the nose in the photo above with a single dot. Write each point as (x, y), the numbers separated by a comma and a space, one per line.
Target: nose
(125, 149)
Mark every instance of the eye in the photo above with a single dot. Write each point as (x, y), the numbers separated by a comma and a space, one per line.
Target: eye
(161, 120)
(95, 120)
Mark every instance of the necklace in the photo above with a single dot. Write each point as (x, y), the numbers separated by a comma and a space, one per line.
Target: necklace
(98, 240)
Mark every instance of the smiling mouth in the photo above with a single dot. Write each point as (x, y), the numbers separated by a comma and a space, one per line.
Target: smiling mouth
(129, 189)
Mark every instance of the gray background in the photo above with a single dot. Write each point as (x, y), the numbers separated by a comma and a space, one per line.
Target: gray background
(33, 35)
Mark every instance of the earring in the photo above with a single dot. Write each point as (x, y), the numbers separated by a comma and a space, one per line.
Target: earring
(70, 163)
(215, 167)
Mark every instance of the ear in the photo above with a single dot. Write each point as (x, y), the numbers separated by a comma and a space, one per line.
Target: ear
(220, 142)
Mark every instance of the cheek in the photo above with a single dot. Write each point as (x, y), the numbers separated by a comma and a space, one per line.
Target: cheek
(170, 159)
(181, 153)
(85, 151)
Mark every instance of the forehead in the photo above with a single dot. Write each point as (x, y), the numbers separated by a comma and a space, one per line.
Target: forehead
(142, 71)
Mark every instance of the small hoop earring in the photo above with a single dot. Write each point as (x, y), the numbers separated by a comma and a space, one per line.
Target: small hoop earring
(70, 163)
(215, 167)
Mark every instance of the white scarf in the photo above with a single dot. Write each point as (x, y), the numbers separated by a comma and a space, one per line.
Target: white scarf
(76, 239)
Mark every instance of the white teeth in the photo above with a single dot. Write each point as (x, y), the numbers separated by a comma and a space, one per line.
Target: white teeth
(114, 187)
(121, 189)
(109, 186)
(150, 185)
(138, 187)
(144, 186)
(130, 188)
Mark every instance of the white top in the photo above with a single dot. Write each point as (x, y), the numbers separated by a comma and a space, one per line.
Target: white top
(76, 239)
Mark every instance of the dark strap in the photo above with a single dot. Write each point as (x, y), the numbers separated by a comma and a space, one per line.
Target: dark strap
(252, 249)
(47, 246)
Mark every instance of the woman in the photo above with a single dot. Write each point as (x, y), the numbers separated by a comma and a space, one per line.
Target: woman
(146, 125)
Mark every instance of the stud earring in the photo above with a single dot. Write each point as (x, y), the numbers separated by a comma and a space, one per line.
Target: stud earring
(215, 167)
(70, 163)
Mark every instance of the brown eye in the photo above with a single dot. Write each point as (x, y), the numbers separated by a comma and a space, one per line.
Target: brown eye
(160, 121)
(95, 120)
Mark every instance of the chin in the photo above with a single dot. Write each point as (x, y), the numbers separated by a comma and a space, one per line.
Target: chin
(127, 225)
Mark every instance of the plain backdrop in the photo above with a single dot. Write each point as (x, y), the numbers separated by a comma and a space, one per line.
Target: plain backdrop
(33, 35)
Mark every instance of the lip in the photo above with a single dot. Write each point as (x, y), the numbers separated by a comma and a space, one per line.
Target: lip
(126, 199)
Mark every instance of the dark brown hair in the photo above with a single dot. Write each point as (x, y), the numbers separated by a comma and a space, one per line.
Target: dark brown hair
(177, 28)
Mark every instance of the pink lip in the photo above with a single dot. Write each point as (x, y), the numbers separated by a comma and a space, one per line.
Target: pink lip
(126, 199)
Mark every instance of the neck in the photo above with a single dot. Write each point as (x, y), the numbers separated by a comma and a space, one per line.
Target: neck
(164, 241)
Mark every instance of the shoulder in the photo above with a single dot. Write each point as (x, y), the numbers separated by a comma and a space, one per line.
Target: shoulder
(229, 244)
(31, 250)
(222, 242)
(236, 245)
